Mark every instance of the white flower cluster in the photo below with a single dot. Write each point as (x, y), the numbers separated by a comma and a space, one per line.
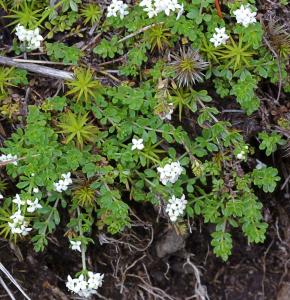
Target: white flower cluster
(76, 245)
(9, 158)
(117, 7)
(220, 37)
(245, 16)
(170, 172)
(175, 208)
(18, 224)
(154, 7)
(137, 144)
(62, 184)
(31, 38)
(85, 288)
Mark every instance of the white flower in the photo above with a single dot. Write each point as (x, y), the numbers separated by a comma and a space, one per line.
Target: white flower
(137, 144)
(73, 284)
(1, 196)
(245, 16)
(62, 184)
(18, 226)
(154, 7)
(241, 155)
(220, 37)
(67, 178)
(35, 190)
(85, 288)
(33, 205)
(17, 217)
(175, 208)
(95, 280)
(18, 201)
(180, 12)
(117, 7)
(9, 158)
(25, 230)
(170, 172)
(31, 38)
(76, 245)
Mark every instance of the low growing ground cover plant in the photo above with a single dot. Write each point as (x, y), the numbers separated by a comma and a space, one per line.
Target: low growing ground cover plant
(148, 131)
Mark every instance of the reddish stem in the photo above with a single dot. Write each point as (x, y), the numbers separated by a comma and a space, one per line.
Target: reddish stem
(218, 8)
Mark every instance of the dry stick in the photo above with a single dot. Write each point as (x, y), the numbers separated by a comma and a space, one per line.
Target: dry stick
(10, 277)
(6, 289)
(138, 32)
(41, 62)
(45, 71)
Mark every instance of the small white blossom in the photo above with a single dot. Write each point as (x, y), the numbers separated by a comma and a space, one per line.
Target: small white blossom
(17, 217)
(117, 7)
(76, 245)
(35, 190)
(170, 172)
(18, 225)
(180, 12)
(245, 16)
(242, 155)
(31, 38)
(1, 196)
(24, 229)
(33, 205)
(220, 37)
(154, 7)
(62, 184)
(137, 144)
(175, 208)
(18, 201)
(9, 158)
(95, 280)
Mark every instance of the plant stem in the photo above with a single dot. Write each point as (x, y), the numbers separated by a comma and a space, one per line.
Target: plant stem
(83, 247)
(218, 8)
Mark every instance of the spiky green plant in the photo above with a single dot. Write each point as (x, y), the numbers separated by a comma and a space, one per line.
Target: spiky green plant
(25, 15)
(209, 50)
(85, 196)
(84, 85)
(188, 66)
(76, 127)
(158, 37)
(236, 54)
(91, 13)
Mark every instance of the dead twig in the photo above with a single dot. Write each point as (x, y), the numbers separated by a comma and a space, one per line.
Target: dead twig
(10, 277)
(34, 68)
(5, 287)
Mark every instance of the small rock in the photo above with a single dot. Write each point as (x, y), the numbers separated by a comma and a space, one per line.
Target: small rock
(170, 243)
